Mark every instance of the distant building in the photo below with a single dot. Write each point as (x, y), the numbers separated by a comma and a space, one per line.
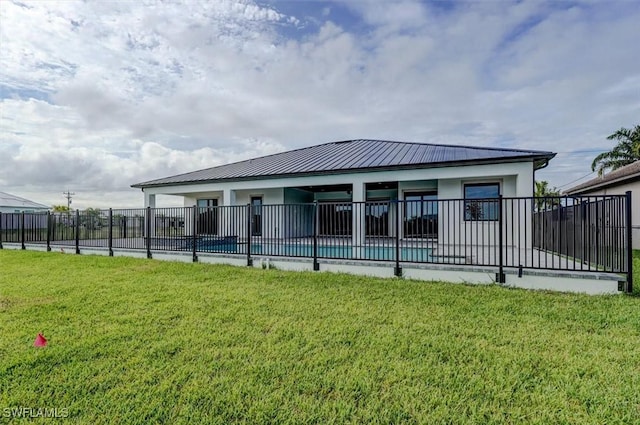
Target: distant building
(617, 182)
(15, 204)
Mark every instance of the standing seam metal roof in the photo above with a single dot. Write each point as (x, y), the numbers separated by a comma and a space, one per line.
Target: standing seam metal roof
(349, 155)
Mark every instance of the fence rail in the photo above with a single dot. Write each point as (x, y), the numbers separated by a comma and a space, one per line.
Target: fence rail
(591, 234)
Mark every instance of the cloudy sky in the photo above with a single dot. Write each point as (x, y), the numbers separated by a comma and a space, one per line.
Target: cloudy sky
(96, 96)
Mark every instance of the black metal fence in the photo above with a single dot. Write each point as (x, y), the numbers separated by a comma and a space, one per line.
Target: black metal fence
(557, 233)
(588, 230)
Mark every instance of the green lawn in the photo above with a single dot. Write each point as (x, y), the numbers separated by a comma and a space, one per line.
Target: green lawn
(144, 341)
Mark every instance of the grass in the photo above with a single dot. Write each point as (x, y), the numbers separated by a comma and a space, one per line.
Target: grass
(142, 341)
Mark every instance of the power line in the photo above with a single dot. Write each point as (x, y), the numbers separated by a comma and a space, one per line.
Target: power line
(573, 181)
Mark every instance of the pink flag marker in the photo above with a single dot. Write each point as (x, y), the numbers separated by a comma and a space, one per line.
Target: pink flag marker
(40, 341)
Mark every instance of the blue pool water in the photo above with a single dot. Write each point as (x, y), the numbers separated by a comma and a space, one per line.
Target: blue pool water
(217, 244)
(388, 253)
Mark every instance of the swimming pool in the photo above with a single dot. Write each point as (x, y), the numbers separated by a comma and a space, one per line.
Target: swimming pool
(305, 250)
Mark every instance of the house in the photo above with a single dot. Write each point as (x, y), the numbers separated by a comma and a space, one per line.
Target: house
(10, 205)
(355, 171)
(382, 208)
(339, 174)
(15, 204)
(617, 182)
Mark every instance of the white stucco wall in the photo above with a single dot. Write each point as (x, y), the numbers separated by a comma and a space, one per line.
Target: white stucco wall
(461, 231)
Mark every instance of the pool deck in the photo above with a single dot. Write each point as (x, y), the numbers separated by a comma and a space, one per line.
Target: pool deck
(470, 255)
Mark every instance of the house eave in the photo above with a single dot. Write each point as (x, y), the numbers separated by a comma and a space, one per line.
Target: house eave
(540, 161)
(604, 185)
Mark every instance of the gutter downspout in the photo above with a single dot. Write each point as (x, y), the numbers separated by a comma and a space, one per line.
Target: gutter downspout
(546, 163)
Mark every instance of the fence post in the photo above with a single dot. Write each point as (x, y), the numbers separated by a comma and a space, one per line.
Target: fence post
(397, 271)
(110, 236)
(1, 230)
(629, 244)
(77, 231)
(148, 232)
(22, 230)
(249, 260)
(194, 233)
(316, 218)
(48, 231)
(500, 278)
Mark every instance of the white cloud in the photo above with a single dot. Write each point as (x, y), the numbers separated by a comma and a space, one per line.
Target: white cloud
(141, 91)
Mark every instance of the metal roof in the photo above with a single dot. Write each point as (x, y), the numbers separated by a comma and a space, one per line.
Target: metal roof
(621, 175)
(9, 200)
(352, 156)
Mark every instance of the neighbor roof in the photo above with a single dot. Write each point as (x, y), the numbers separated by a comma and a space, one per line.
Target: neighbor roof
(9, 200)
(353, 156)
(625, 174)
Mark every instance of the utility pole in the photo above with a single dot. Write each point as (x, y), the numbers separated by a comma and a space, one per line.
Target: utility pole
(68, 194)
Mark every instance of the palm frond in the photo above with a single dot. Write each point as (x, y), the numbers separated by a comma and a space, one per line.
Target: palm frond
(626, 152)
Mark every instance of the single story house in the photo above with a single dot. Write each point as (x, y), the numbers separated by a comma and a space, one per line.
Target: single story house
(617, 182)
(355, 171)
(385, 208)
(15, 204)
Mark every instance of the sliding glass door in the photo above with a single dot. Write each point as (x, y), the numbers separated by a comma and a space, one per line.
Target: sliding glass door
(207, 216)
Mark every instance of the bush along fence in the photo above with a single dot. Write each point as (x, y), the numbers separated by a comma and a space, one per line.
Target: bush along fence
(585, 234)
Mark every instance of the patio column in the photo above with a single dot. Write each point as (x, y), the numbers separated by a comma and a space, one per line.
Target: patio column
(524, 188)
(150, 201)
(230, 215)
(358, 194)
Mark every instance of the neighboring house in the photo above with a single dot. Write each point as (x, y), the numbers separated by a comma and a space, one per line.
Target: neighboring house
(15, 204)
(617, 182)
(355, 171)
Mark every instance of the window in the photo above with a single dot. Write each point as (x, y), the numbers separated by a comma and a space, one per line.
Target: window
(421, 215)
(478, 201)
(204, 203)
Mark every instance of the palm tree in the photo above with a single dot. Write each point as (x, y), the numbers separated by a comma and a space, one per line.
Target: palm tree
(627, 151)
(546, 197)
